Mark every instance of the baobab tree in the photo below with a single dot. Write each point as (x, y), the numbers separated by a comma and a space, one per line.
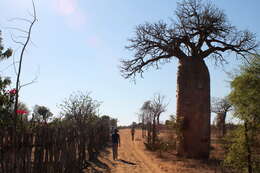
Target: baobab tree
(200, 31)
(151, 111)
(220, 106)
(146, 113)
(158, 106)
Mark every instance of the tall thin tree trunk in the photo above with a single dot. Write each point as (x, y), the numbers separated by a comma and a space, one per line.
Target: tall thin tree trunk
(248, 148)
(193, 108)
(154, 131)
(149, 132)
(158, 125)
(221, 126)
(143, 128)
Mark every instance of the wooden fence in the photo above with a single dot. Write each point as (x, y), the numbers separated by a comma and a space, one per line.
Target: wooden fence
(51, 149)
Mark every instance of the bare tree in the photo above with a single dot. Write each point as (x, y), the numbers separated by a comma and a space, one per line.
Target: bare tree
(150, 115)
(220, 106)
(147, 118)
(141, 117)
(158, 107)
(82, 111)
(80, 107)
(200, 31)
(23, 45)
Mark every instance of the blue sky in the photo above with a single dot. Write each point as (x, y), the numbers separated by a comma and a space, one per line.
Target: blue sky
(78, 45)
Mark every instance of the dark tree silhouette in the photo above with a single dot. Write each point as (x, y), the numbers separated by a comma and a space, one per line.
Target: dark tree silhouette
(41, 114)
(200, 31)
(150, 113)
(220, 106)
(158, 106)
(4, 54)
(24, 45)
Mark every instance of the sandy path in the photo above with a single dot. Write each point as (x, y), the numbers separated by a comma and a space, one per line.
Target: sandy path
(132, 157)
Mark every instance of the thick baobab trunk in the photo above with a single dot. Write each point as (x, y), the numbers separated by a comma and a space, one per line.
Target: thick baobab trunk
(193, 108)
(221, 128)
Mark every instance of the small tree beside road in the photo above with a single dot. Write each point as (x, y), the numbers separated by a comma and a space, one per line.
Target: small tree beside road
(244, 146)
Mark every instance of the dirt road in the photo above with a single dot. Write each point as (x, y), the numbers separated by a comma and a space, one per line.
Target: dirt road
(132, 157)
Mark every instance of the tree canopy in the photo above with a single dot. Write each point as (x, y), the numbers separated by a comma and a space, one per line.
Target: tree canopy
(4, 54)
(80, 107)
(199, 30)
(41, 113)
(220, 105)
(245, 96)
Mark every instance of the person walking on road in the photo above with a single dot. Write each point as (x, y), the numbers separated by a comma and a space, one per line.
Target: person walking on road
(133, 133)
(115, 144)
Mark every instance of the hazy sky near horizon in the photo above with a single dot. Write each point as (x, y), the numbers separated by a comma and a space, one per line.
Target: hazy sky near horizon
(78, 45)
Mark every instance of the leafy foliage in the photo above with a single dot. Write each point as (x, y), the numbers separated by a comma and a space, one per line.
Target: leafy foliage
(6, 98)
(80, 112)
(6, 101)
(4, 54)
(41, 114)
(245, 96)
(236, 156)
